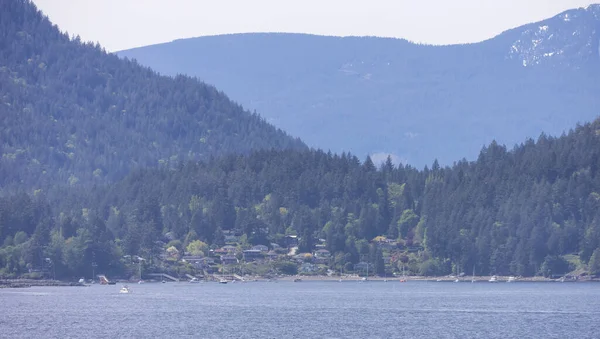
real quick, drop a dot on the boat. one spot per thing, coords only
(222, 280)
(297, 280)
(511, 279)
(141, 281)
(403, 279)
(493, 279)
(365, 279)
(125, 289)
(457, 274)
(104, 280)
(194, 280)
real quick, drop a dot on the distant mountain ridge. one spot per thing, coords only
(380, 95)
(73, 114)
(574, 30)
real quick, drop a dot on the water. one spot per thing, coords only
(305, 310)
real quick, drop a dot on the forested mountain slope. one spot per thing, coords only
(527, 211)
(73, 114)
(369, 95)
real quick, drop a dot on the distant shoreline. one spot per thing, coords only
(24, 283)
(434, 279)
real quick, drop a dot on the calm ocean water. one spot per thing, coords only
(305, 310)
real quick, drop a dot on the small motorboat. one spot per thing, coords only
(194, 280)
(222, 281)
(125, 289)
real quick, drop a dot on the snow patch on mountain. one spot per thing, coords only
(560, 40)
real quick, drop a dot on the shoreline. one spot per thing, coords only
(499, 279)
(25, 283)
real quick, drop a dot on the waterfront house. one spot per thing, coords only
(229, 248)
(261, 248)
(252, 255)
(291, 240)
(228, 260)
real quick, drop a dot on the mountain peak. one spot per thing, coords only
(566, 39)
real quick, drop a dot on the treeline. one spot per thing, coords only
(73, 114)
(529, 211)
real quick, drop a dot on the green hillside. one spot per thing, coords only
(73, 114)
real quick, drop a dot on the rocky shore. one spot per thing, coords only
(23, 283)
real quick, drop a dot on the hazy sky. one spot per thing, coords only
(122, 24)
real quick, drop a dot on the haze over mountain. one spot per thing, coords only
(72, 113)
(377, 95)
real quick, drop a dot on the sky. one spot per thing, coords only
(123, 24)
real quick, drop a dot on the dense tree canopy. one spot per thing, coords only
(72, 113)
(521, 212)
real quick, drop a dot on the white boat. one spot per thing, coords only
(194, 280)
(511, 279)
(222, 281)
(457, 274)
(493, 279)
(141, 281)
(125, 289)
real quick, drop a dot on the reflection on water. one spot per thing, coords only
(305, 310)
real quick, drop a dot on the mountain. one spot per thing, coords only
(533, 210)
(372, 95)
(72, 113)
